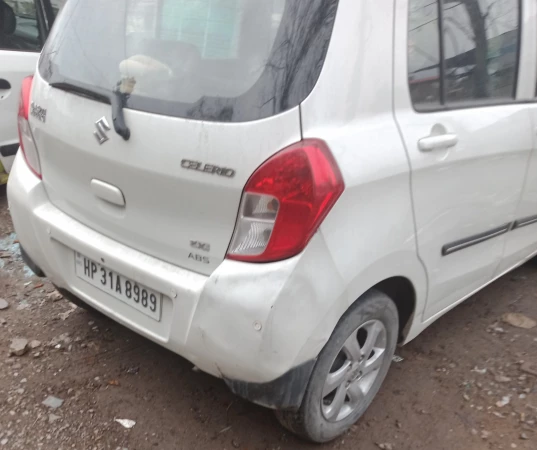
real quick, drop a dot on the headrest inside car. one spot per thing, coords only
(8, 20)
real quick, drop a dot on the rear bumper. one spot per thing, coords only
(30, 263)
(260, 327)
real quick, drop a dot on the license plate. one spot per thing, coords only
(128, 291)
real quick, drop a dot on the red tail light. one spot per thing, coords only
(27, 143)
(285, 201)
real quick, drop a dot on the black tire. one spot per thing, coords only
(309, 422)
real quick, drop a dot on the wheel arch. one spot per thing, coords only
(402, 292)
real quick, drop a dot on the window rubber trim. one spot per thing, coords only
(441, 54)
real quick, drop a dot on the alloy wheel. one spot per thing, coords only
(354, 371)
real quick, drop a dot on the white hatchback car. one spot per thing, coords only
(281, 191)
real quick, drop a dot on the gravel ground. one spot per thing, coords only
(468, 382)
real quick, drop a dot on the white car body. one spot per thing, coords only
(428, 228)
(18, 63)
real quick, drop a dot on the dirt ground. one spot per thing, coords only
(462, 384)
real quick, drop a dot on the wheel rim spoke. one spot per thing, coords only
(332, 411)
(356, 395)
(373, 332)
(335, 379)
(374, 362)
(352, 347)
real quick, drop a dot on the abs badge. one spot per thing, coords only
(199, 258)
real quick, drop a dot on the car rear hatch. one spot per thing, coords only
(207, 91)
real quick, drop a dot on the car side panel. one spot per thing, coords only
(522, 241)
(463, 192)
(370, 232)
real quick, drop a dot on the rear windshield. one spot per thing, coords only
(217, 60)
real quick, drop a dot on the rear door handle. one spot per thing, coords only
(441, 141)
(4, 84)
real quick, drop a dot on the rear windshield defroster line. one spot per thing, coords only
(214, 60)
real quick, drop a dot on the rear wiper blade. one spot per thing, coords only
(118, 101)
(75, 89)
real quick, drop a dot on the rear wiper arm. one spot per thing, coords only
(118, 101)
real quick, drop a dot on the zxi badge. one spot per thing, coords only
(102, 127)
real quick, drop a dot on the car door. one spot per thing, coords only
(467, 137)
(24, 25)
(521, 242)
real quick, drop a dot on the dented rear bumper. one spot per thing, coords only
(259, 327)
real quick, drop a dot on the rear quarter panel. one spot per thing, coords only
(370, 232)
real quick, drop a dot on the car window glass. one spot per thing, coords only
(215, 60)
(57, 5)
(481, 40)
(18, 26)
(214, 30)
(424, 54)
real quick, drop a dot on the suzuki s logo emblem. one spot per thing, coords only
(102, 128)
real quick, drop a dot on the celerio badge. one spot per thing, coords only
(207, 168)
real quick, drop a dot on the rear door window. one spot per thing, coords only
(220, 60)
(463, 53)
(481, 41)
